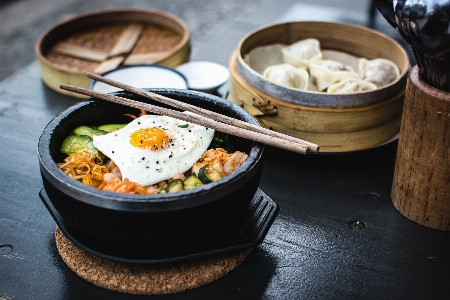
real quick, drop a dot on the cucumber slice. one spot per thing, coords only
(111, 127)
(192, 182)
(89, 131)
(76, 143)
(175, 185)
(208, 174)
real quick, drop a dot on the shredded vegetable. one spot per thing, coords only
(84, 166)
(125, 186)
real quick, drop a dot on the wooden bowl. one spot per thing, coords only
(101, 41)
(337, 123)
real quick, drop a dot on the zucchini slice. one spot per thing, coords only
(111, 127)
(76, 143)
(175, 185)
(208, 174)
(89, 131)
(192, 182)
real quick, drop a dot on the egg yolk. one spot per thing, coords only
(150, 138)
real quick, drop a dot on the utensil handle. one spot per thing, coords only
(436, 71)
(386, 8)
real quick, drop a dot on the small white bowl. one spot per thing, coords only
(142, 76)
(204, 76)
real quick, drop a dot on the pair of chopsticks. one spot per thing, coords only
(197, 115)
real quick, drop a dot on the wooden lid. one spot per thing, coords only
(100, 41)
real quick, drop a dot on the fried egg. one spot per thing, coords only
(152, 148)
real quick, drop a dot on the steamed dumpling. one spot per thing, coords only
(301, 53)
(288, 76)
(379, 71)
(327, 72)
(351, 85)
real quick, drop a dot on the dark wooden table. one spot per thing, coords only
(337, 234)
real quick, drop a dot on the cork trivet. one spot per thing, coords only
(152, 279)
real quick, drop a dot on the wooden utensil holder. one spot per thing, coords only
(421, 184)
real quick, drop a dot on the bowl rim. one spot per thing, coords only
(312, 98)
(139, 203)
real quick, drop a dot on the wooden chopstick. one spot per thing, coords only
(194, 118)
(203, 112)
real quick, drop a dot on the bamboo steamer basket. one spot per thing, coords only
(336, 122)
(100, 41)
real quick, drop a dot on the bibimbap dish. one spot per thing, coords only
(122, 183)
(152, 154)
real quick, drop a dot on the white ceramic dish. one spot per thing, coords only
(204, 76)
(142, 76)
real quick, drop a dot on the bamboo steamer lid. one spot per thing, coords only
(101, 41)
(337, 123)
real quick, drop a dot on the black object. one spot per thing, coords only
(424, 25)
(260, 215)
(154, 225)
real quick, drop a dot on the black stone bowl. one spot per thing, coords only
(147, 227)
